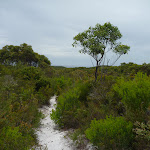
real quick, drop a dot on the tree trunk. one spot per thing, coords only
(96, 71)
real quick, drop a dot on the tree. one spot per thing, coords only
(24, 54)
(135, 95)
(98, 41)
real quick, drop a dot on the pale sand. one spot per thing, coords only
(49, 137)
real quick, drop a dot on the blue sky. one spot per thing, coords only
(49, 26)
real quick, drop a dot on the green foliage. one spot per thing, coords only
(95, 39)
(43, 95)
(43, 61)
(84, 101)
(59, 84)
(24, 54)
(121, 49)
(84, 91)
(130, 69)
(12, 138)
(30, 73)
(135, 95)
(69, 106)
(42, 82)
(27, 82)
(23, 88)
(98, 41)
(67, 103)
(110, 133)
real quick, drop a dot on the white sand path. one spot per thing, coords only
(49, 137)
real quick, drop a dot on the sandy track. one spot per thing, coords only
(49, 137)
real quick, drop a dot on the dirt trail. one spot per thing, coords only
(49, 137)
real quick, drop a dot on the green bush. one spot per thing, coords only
(110, 133)
(135, 95)
(12, 139)
(19, 110)
(30, 73)
(43, 95)
(69, 106)
(84, 91)
(67, 103)
(59, 84)
(43, 82)
(24, 86)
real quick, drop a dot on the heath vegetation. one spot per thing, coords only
(107, 105)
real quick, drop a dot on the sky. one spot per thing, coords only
(50, 25)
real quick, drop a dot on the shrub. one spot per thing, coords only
(84, 91)
(59, 84)
(43, 82)
(135, 95)
(69, 106)
(11, 138)
(30, 73)
(43, 95)
(67, 103)
(110, 133)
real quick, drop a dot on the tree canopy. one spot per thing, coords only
(24, 54)
(99, 40)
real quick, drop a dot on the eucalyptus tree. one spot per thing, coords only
(98, 41)
(24, 54)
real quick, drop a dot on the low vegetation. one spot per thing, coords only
(111, 113)
(24, 87)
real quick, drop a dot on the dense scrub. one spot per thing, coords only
(135, 95)
(24, 87)
(69, 109)
(113, 112)
(110, 133)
